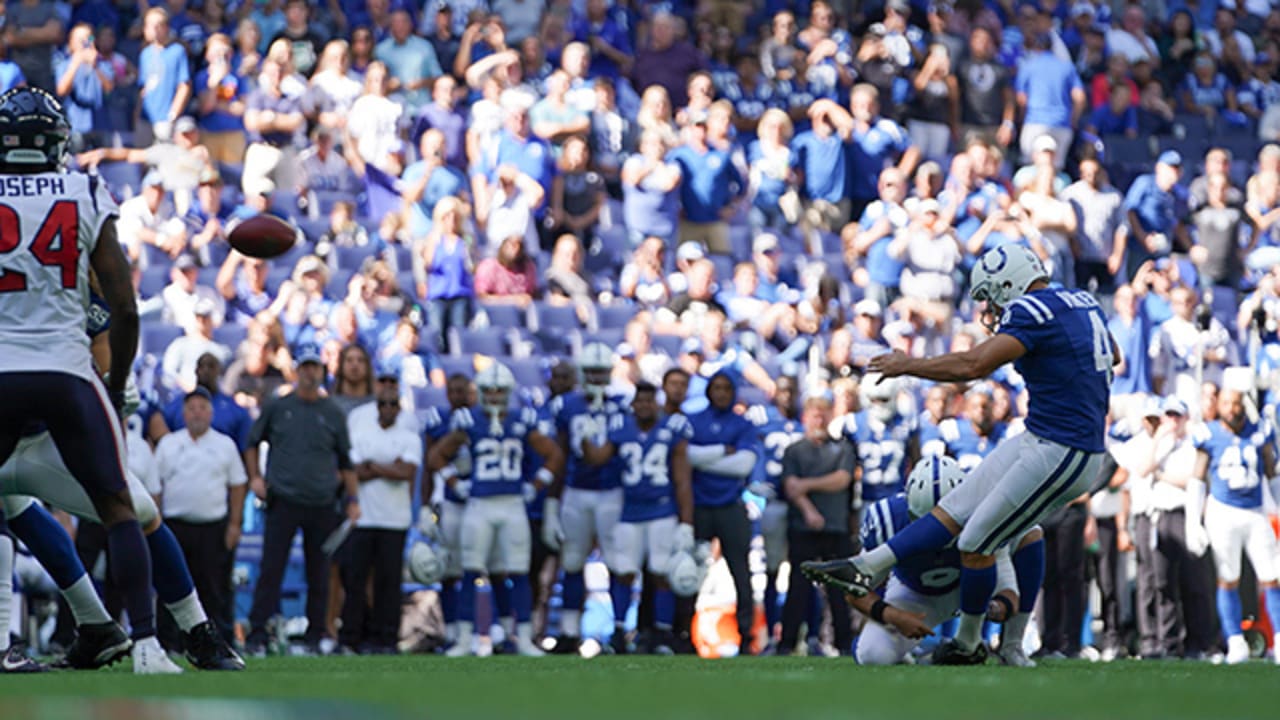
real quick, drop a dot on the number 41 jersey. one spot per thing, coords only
(647, 492)
(931, 573)
(49, 225)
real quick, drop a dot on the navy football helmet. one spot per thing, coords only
(33, 131)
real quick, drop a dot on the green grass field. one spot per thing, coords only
(653, 688)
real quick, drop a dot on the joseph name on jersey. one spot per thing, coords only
(574, 417)
(882, 452)
(49, 227)
(647, 491)
(959, 439)
(1067, 367)
(777, 433)
(497, 454)
(1235, 461)
(933, 573)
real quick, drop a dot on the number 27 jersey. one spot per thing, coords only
(49, 226)
(645, 458)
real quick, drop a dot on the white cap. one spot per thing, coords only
(868, 307)
(1043, 143)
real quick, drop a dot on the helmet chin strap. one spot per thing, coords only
(595, 393)
(495, 419)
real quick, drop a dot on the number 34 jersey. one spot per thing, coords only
(1235, 461)
(645, 457)
(497, 453)
(931, 573)
(49, 226)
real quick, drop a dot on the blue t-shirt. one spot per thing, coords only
(533, 157)
(160, 72)
(882, 452)
(716, 427)
(444, 181)
(932, 573)
(1106, 122)
(1067, 367)
(958, 439)
(611, 34)
(770, 189)
(86, 92)
(822, 160)
(228, 418)
(872, 151)
(1235, 461)
(1048, 83)
(777, 433)
(1134, 341)
(884, 269)
(497, 453)
(573, 416)
(232, 87)
(710, 182)
(647, 490)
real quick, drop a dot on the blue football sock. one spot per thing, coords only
(1028, 567)
(1229, 612)
(501, 599)
(814, 621)
(977, 585)
(772, 610)
(49, 543)
(171, 578)
(467, 597)
(131, 571)
(620, 594)
(664, 608)
(521, 597)
(924, 535)
(449, 600)
(573, 591)
(948, 628)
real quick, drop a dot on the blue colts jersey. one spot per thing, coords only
(715, 427)
(1067, 366)
(777, 433)
(647, 492)
(931, 573)
(573, 416)
(958, 439)
(497, 458)
(435, 426)
(1235, 461)
(882, 452)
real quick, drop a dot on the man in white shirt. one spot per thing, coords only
(386, 457)
(183, 293)
(202, 492)
(150, 219)
(183, 354)
(1183, 345)
(1131, 39)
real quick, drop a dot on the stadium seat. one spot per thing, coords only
(669, 344)
(351, 258)
(231, 335)
(1121, 149)
(276, 277)
(527, 371)
(554, 318)
(154, 279)
(231, 173)
(291, 258)
(751, 395)
(122, 178)
(325, 200)
(338, 281)
(313, 229)
(724, 268)
(486, 341)
(1242, 147)
(831, 243)
(284, 202)
(611, 338)
(453, 365)
(428, 397)
(616, 315)
(155, 337)
(504, 316)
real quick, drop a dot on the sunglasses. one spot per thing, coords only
(388, 404)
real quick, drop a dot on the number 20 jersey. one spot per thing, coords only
(497, 458)
(49, 226)
(647, 492)
(930, 573)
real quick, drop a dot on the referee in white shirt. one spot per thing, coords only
(202, 491)
(386, 457)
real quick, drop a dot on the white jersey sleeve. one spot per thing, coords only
(49, 227)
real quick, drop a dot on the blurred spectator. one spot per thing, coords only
(829, 48)
(1131, 328)
(1099, 228)
(184, 353)
(362, 53)
(874, 143)
(666, 60)
(930, 254)
(332, 90)
(220, 93)
(820, 163)
(867, 339)
(780, 58)
(1117, 74)
(565, 282)
(775, 278)
(935, 112)
(182, 295)
(428, 181)
(509, 277)
(227, 417)
(306, 42)
(656, 114)
(710, 186)
(1224, 26)
(650, 198)
(262, 366)
(1155, 112)
(442, 269)
(411, 61)
(374, 120)
(1151, 213)
(771, 180)
(611, 55)
(1118, 117)
(322, 169)
(1188, 348)
(1206, 91)
(206, 219)
(1130, 39)
(179, 161)
(83, 80)
(866, 244)
(300, 304)
(687, 309)
(32, 29)
(519, 148)
(700, 92)
(1051, 98)
(353, 382)
(404, 356)
(1180, 45)
(510, 209)
(643, 280)
(274, 123)
(577, 193)
(611, 136)
(248, 55)
(1221, 230)
(555, 120)
(443, 115)
(149, 219)
(438, 28)
(163, 73)
(242, 283)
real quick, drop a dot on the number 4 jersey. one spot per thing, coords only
(49, 226)
(497, 454)
(646, 464)
(931, 573)
(1235, 461)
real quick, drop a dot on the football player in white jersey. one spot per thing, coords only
(54, 226)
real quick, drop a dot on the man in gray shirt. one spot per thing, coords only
(817, 478)
(309, 460)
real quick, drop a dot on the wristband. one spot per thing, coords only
(446, 474)
(351, 500)
(544, 476)
(1008, 606)
(877, 610)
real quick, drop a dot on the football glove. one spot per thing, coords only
(552, 533)
(1197, 537)
(763, 489)
(463, 489)
(684, 542)
(530, 492)
(427, 527)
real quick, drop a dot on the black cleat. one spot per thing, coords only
(96, 645)
(15, 661)
(566, 645)
(618, 643)
(841, 574)
(950, 653)
(207, 650)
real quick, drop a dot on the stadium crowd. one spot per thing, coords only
(777, 190)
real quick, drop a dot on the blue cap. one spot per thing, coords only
(307, 353)
(1170, 157)
(199, 391)
(385, 372)
(1173, 406)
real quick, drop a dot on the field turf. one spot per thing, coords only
(611, 688)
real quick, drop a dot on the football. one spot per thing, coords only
(263, 236)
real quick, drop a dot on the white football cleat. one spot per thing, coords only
(151, 659)
(525, 645)
(461, 646)
(1237, 650)
(1013, 655)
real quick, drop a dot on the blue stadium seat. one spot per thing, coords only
(207, 276)
(313, 229)
(276, 277)
(326, 199)
(452, 365)
(752, 395)
(1121, 149)
(232, 173)
(155, 337)
(527, 371)
(669, 344)
(548, 317)
(611, 338)
(284, 202)
(338, 280)
(153, 281)
(831, 243)
(231, 335)
(504, 316)
(724, 268)
(616, 315)
(428, 397)
(122, 178)
(351, 258)
(291, 257)
(487, 341)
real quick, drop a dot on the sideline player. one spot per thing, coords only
(1234, 456)
(657, 503)
(1059, 343)
(54, 226)
(495, 535)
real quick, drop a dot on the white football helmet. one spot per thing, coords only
(685, 574)
(426, 566)
(595, 366)
(879, 396)
(496, 378)
(1003, 274)
(930, 480)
